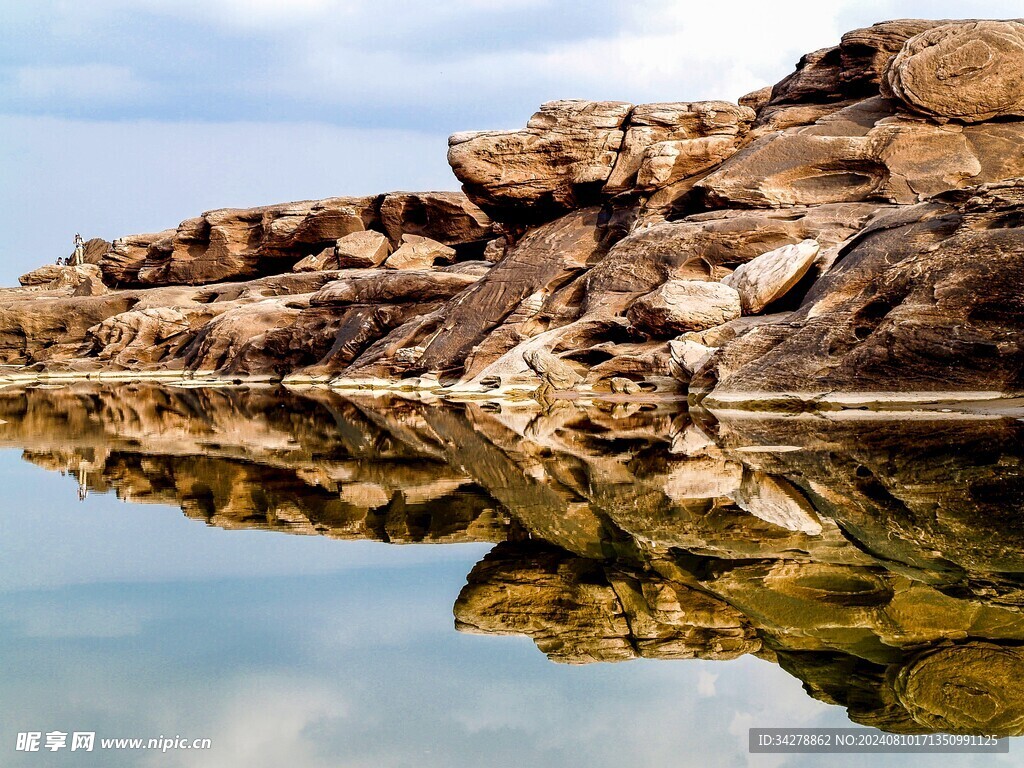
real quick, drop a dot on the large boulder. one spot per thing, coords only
(767, 278)
(559, 162)
(447, 217)
(418, 252)
(679, 306)
(971, 72)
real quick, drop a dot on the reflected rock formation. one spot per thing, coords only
(878, 560)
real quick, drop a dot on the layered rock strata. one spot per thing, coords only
(866, 209)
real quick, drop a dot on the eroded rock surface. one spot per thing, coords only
(603, 240)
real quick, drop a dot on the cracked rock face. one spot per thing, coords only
(906, 302)
(558, 162)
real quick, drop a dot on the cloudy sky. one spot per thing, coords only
(124, 116)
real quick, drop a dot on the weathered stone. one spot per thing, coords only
(326, 259)
(907, 305)
(361, 249)
(379, 286)
(968, 71)
(688, 357)
(768, 277)
(666, 142)
(447, 217)
(547, 257)
(684, 305)
(557, 163)
(236, 243)
(864, 152)
(709, 246)
(967, 689)
(417, 252)
(776, 501)
(555, 373)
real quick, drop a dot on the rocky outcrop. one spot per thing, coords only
(907, 302)
(559, 162)
(606, 241)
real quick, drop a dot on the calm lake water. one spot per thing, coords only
(312, 581)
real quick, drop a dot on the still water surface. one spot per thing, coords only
(311, 581)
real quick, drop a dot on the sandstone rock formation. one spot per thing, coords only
(865, 209)
(967, 72)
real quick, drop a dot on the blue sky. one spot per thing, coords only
(125, 116)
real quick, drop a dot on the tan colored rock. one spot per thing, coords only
(709, 246)
(380, 286)
(667, 142)
(447, 217)
(968, 71)
(142, 335)
(555, 373)
(703, 477)
(567, 149)
(58, 276)
(356, 250)
(909, 304)
(768, 277)
(866, 151)
(688, 357)
(679, 306)
(236, 243)
(318, 262)
(417, 252)
(361, 250)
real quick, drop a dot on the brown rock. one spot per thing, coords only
(546, 258)
(391, 287)
(769, 276)
(557, 163)
(417, 252)
(447, 217)
(709, 246)
(667, 142)
(236, 243)
(965, 71)
(863, 152)
(909, 305)
(684, 305)
(361, 249)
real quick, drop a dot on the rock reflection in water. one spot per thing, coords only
(879, 561)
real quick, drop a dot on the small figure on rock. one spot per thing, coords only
(78, 258)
